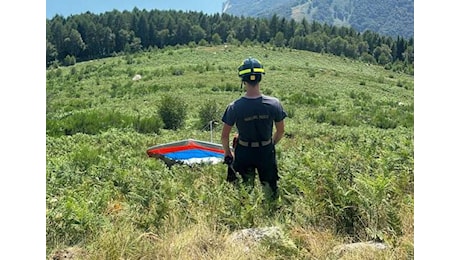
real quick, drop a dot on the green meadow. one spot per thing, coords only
(346, 162)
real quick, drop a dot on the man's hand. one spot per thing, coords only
(228, 159)
(231, 174)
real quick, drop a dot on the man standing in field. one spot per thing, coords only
(254, 115)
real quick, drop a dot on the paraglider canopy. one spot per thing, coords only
(188, 151)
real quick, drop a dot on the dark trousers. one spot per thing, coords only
(248, 160)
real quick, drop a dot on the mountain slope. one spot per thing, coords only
(389, 17)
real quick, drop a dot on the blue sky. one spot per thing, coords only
(68, 7)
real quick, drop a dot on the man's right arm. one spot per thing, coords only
(225, 139)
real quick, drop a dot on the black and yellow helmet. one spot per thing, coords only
(251, 70)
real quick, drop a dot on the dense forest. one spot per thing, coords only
(90, 36)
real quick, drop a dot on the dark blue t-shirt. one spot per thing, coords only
(254, 117)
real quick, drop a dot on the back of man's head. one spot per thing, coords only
(251, 71)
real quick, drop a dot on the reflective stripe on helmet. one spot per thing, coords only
(246, 71)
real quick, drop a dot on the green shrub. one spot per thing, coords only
(203, 42)
(69, 60)
(95, 122)
(381, 120)
(173, 112)
(209, 111)
(177, 72)
(230, 87)
(307, 98)
(151, 124)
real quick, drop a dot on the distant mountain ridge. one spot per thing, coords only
(386, 17)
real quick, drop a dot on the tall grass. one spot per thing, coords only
(346, 162)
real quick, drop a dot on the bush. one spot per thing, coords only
(177, 71)
(209, 111)
(151, 124)
(203, 42)
(173, 111)
(381, 120)
(69, 60)
(97, 121)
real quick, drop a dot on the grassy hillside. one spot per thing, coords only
(346, 163)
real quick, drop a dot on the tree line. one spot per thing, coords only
(91, 36)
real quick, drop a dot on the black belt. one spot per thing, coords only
(254, 144)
